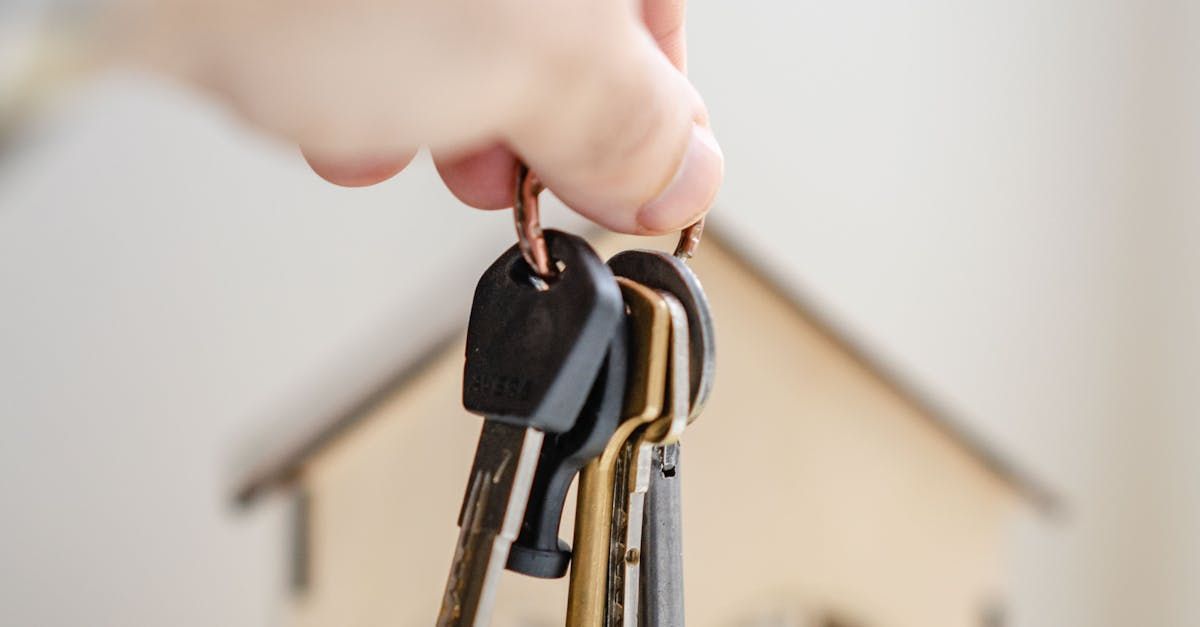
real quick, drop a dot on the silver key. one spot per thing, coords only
(662, 530)
(662, 543)
(501, 476)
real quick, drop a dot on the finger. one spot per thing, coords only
(665, 20)
(358, 172)
(622, 138)
(481, 179)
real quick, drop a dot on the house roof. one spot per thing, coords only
(952, 425)
(280, 464)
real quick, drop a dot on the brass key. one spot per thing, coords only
(660, 560)
(650, 324)
(635, 468)
(669, 427)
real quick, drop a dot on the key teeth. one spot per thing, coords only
(505, 460)
(452, 599)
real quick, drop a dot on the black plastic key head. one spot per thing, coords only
(533, 354)
(538, 551)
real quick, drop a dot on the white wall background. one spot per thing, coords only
(1000, 197)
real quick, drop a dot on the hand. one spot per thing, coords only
(590, 93)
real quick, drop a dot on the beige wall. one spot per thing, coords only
(810, 487)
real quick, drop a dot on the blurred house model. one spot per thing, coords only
(819, 489)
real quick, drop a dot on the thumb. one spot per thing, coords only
(621, 136)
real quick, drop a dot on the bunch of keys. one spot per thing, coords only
(580, 367)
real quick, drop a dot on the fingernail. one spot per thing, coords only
(691, 191)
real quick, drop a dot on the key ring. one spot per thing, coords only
(689, 240)
(533, 242)
(530, 238)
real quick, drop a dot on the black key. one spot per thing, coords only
(532, 356)
(538, 551)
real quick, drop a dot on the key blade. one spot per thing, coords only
(498, 492)
(631, 484)
(631, 564)
(662, 543)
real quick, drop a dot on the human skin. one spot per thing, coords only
(591, 94)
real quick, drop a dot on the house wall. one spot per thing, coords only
(811, 488)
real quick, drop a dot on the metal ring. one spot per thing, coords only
(533, 242)
(529, 226)
(689, 240)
